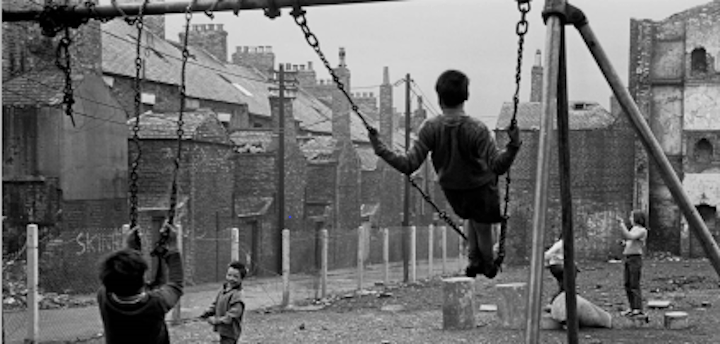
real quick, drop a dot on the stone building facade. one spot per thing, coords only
(675, 79)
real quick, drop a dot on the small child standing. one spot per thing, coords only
(634, 248)
(226, 311)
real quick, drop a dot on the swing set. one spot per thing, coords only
(556, 14)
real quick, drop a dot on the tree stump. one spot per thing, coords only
(459, 303)
(676, 320)
(512, 304)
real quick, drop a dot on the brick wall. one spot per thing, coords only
(601, 182)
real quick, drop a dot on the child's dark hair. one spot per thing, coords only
(639, 218)
(452, 88)
(237, 265)
(123, 272)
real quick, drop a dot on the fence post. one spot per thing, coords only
(32, 284)
(413, 254)
(386, 255)
(431, 246)
(323, 261)
(234, 244)
(360, 265)
(286, 267)
(177, 311)
(443, 233)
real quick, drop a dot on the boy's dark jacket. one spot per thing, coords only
(143, 322)
(464, 152)
(229, 308)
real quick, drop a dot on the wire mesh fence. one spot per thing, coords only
(356, 259)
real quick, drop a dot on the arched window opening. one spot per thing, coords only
(703, 151)
(698, 61)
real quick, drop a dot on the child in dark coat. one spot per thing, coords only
(467, 162)
(133, 312)
(226, 311)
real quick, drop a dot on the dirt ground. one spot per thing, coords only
(413, 313)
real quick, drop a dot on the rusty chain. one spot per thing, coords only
(520, 29)
(134, 177)
(300, 19)
(64, 62)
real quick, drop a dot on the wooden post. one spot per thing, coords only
(431, 246)
(323, 262)
(413, 254)
(286, 267)
(512, 304)
(33, 298)
(360, 255)
(443, 233)
(458, 303)
(177, 311)
(234, 244)
(386, 255)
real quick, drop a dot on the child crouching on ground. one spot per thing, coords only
(226, 311)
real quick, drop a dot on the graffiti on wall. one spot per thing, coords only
(100, 240)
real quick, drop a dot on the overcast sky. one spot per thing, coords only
(426, 37)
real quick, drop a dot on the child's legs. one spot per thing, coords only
(558, 272)
(634, 266)
(484, 235)
(472, 242)
(227, 340)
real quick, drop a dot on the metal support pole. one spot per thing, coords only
(563, 120)
(697, 225)
(158, 8)
(549, 102)
(281, 152)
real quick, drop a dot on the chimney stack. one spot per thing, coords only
(536, 79)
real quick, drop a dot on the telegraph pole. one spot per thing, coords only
(406, 205)
(281, 159)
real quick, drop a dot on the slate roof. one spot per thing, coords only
(591, 116)
(201, 125)
(252, 141)
(368, 159)
(36, 88)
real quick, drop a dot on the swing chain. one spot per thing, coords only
(300, 19)
(299, 15)
(441, 213)
(521, 29)
(134, 176)
(180, 132)
(64, 63)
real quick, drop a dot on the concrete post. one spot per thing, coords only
(443, 233)
(323, 262)
(512, 304)
(458, 303)
(413, 254)
(285, 268)
(33, 329)
(234, 244)
(386, 255)
(360, 255)
(431, 246)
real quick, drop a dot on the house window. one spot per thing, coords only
(698, 61)
(703, 151)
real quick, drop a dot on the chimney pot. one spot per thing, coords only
(220, 27)
(268, 49)
(288, 66)
(295, 67)
(309, 65)
(538, 58)
(302, 67)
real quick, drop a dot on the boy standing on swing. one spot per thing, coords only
(467, 162)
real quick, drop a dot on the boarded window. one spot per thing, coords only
(703, 151)
(698, 61)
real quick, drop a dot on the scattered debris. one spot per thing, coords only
(488, 308)
(659, 304)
